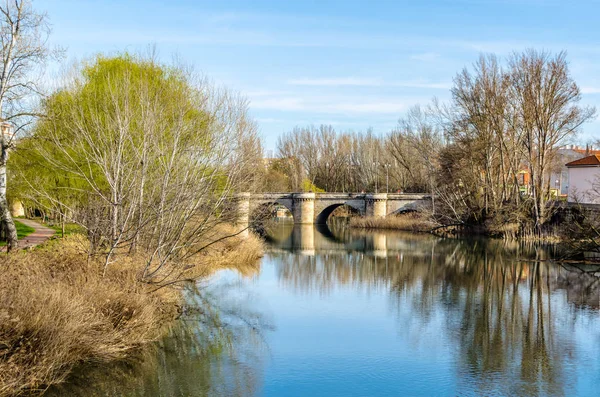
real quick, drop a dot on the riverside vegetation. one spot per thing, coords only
(150, 200)
(143, 159)
(60, 309)
(412, 222)
(505, 117)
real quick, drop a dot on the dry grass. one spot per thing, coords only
(412, 222)
(57, 311)
(240, 252)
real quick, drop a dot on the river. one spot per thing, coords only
(339, 312)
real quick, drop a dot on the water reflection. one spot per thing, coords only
(216, 349)
(368, 313)
(510, 316)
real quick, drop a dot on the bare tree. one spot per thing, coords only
(23, 35)
(481, 100)
(545, 104)
(415, 145)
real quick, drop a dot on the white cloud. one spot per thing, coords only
(263, 93)
(278, 103)
(422, 84)
(270, 120)
(385, 107)
(334, 105)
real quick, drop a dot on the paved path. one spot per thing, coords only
(41, 234)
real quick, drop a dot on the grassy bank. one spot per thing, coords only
(22, 231)
(58, 311)
(412, 222)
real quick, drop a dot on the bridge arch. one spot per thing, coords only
(262, 209)
(324, 213)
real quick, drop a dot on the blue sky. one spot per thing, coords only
(352, 64)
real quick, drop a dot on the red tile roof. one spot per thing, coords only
(593, 160)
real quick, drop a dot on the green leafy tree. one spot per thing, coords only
(144, 157)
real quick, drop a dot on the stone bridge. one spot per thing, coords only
(310, 208)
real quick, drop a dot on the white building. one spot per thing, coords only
(584, 180)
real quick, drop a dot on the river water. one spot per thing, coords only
(339, 312)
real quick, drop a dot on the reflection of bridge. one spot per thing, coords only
(311, 239)
(309, 208)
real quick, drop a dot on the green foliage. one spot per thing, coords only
(30, 172)
(308, 186)
(275, 178)
(22, 231)
(70, 228)
(138, 154)
(106, 88)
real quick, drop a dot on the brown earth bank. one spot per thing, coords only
(58, 310)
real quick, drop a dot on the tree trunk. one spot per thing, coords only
(6, 221)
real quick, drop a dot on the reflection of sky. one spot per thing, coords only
(344, 343)
(586, 337)
(357, 340)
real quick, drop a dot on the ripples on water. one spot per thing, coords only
(337, 312)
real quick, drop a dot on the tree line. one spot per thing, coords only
(504, 116)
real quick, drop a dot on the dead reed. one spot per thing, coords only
(412, 222)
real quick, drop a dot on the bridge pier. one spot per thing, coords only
(376, 205)
(304, 208)
(242, 202)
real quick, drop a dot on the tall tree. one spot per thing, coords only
(545, 100)
(156, 154)
(414, 145)
(23, 49)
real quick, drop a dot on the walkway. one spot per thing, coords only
(41, 234)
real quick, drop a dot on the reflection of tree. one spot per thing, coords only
(499, 315)
(210, 352)
(506, 326)
(499, 312)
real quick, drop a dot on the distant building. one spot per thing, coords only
(584, 180)
(558, 173)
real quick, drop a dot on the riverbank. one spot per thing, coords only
(411, 222)
(58, 311)
(419, 223)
